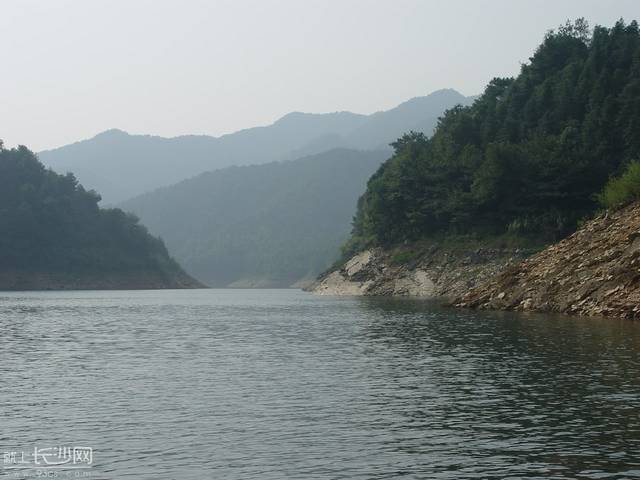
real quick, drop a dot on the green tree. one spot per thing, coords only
(527, 157)
(50, 223)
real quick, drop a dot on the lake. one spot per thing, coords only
(273, 384)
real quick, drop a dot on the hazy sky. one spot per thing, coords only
(70, 69)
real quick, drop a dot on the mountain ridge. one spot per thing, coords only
(267, 225)
(153, 161)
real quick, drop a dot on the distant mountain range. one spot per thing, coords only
(120, 166)
(262, 207)
(268, 225)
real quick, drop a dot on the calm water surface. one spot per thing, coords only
(237, 384)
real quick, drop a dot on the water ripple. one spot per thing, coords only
(281, 384)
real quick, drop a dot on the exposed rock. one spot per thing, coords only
(336, 283)
(595, 271)
(437, 271)
(358, 264)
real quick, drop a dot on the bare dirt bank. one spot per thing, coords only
(595, 271)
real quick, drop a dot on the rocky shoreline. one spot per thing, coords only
(437, 271)
(595, 271)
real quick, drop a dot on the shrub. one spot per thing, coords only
(403, 257)
(622, 190)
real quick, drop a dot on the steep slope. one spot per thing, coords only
(54, 236)
(595, 271)
(263, 225)
(121, 166)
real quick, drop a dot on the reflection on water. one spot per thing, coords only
(282, 384)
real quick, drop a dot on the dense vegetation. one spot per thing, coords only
(262, 225)
(527, 158)
(50, 223)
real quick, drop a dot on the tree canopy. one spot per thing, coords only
(50, 223)
(528, 157)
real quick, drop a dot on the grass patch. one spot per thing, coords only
(622, 190)
(404, 256)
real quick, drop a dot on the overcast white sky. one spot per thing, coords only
(70, 69)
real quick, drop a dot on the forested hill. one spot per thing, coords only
(54, 235)
(121, 166)
(527, 158)
(263, 225)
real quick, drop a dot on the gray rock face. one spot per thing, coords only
(436, 272)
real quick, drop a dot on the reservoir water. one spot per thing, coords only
(274, 384)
